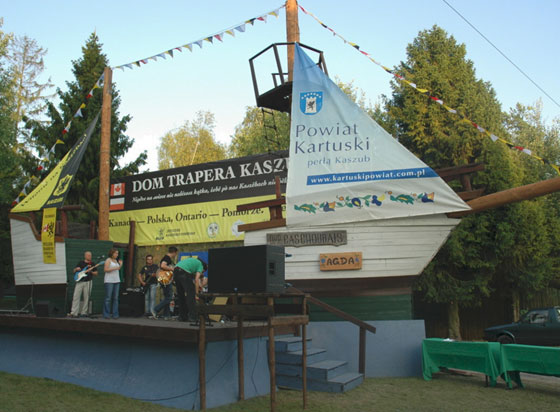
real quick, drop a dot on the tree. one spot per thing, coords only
(9, 162)
(26, 59)
(461, 272)
(260, 133)
(530, 260)
(192, 143)
(85, 187)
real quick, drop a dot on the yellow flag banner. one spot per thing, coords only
(47, 235)
(53, 189)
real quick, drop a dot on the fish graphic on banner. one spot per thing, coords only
(53, 189)
(344, 167)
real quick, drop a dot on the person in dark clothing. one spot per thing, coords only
(166, 264)
(187, 276)
(148, 280)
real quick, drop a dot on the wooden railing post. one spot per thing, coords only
(362, 349)
(304, 354)
(240, 358)
(271, 358)
(202, 361)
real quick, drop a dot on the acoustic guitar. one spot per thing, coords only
(165, 277)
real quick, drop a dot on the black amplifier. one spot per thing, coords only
(246, 269)
(131, 303)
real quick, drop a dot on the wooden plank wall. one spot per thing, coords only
(392, 247)
(27, 252)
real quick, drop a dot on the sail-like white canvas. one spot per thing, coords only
(344, 167)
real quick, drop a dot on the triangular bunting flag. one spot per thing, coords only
(251, 21)
(230, 32)
(342, 163)
(58, 141)
(209, 39)
(219, 36)
(129, 65)
(188, 46)
(79, 113)
(170, 52)
(240, 28)
(198, 43)
(162, 55)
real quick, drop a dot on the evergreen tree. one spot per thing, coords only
(85, 187)
(193, 143)
(461, 272)
(530, 260)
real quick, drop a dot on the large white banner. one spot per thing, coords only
(344, 167)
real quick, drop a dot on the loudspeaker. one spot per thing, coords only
(246, 269)
(45, 309)
(131, 304)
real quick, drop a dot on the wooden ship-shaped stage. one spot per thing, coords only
(178, 363)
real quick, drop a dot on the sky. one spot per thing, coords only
(162, 95)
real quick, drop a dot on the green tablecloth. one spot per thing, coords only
(541, 360)
(484, 357)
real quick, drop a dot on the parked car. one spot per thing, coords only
(536, 327)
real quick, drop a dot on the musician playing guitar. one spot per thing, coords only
(82, 289)
(166, 265)
(148, 280)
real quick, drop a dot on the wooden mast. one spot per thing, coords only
(104, 157)
(292, 33)
(505, 197)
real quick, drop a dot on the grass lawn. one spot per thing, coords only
(444, 393)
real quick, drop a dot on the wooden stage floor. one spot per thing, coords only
(140, 327)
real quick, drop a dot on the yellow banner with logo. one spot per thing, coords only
(191, 223)
(47, 235)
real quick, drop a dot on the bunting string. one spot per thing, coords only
(66, 129)
(437, 100)
(219, 36)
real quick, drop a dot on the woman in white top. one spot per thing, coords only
(112, 283)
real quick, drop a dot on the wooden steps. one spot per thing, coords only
(323, 375)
